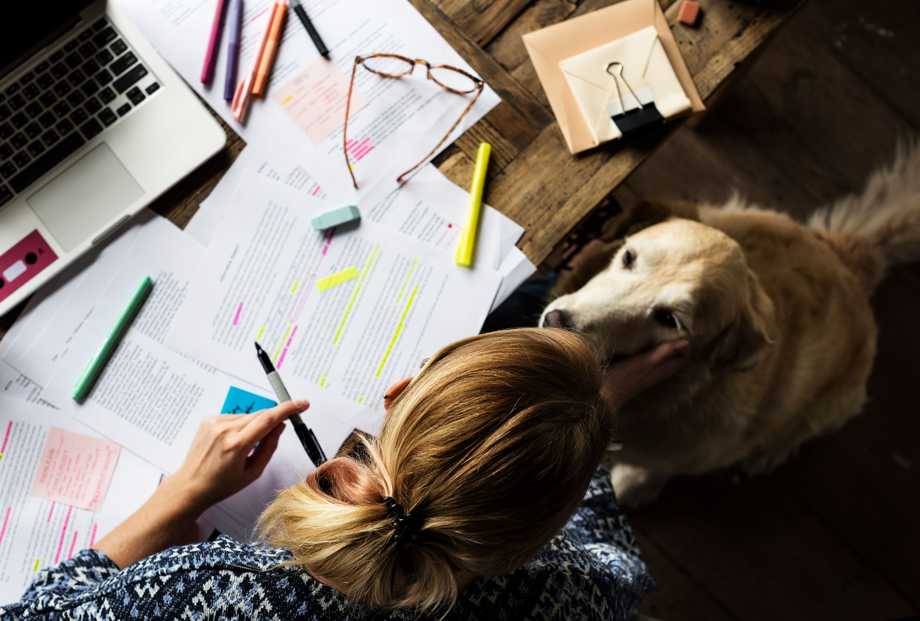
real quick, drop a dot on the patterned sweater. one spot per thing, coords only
(590, 570)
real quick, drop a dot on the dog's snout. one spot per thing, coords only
(557, 319)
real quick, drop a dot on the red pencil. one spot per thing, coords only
(210, 55)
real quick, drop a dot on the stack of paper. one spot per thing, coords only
(343, 314)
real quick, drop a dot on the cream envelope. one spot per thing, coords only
(645, 74)
(549, 46)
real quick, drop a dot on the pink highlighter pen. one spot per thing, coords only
(210, 55)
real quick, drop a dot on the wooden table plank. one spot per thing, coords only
(482, 19)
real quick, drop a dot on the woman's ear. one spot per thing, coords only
(344, 479)
(394, 391)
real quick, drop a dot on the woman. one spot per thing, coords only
(483, 456)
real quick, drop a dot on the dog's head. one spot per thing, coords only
(675, 279)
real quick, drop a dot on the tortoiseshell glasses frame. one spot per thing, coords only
(402, 66)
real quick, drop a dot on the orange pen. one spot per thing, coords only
(269, 49)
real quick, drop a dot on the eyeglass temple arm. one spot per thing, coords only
(351, 86)
(401, 179)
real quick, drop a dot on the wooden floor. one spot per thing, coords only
(835, 533)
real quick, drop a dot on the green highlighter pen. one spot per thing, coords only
(98, 362)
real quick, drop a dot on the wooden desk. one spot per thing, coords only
(533, 177)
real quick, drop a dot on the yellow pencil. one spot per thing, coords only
(466, 247)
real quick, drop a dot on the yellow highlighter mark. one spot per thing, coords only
(295, 287)
(322, 381)
(260, 333)
(334, 280)
(1, 456)
(36, 566)
(368, 266)
(362, 399)
(287, 101)
(405, 285)
(396, 332)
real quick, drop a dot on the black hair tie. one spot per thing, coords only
(407, 525)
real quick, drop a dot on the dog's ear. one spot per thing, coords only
(645, 214)
(591, 261)
(743, 343)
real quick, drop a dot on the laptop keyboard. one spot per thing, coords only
(84, 86)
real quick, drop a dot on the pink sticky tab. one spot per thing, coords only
(75, 469)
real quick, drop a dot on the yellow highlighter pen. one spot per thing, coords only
(466, 247)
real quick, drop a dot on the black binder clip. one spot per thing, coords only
(632, 120)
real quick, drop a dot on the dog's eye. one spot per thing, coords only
(665, 317)
(629, 258)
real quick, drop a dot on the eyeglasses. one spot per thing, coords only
(451, 79)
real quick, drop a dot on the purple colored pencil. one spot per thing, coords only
(235, 18)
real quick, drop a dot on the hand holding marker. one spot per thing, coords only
(306, 436)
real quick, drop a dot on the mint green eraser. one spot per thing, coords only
(336, 217)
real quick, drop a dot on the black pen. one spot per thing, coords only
(311, 29)
(304, 433)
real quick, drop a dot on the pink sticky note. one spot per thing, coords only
(75, 469)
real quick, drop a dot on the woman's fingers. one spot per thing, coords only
(630, 377)
(260, 457)
(261, 423)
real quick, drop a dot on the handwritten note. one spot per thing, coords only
(75, 469)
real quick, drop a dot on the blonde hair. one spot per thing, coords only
(492, 445)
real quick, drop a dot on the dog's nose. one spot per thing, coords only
(557, 319)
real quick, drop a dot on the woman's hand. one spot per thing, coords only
(228, 453)
(635, 374)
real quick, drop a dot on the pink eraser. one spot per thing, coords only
(689, 12)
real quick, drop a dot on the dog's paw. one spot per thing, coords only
(635, 486)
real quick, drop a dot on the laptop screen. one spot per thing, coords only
(32, 25)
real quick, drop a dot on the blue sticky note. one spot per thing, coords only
(241, 401)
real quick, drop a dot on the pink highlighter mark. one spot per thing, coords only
(328, 240)
(6, 436)
(92, 535)
(361, 149)
(57, 555)
(6, 522)
(50, 512)
(315, 190)
(236, 316)
(73, 544)
(286, 345)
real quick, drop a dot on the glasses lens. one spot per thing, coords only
(454, 80)
(388, 65)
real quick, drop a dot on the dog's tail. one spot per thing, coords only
(881, 226)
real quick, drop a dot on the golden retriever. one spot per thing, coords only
(777, 313)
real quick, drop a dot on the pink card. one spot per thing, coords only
(75, 469)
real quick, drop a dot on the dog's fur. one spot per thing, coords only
(782, 336)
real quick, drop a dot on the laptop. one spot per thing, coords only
(93, 126)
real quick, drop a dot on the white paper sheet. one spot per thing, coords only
(37, 532)
(16, 385)
(429, 209)
(394, 123)
(260, 282)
